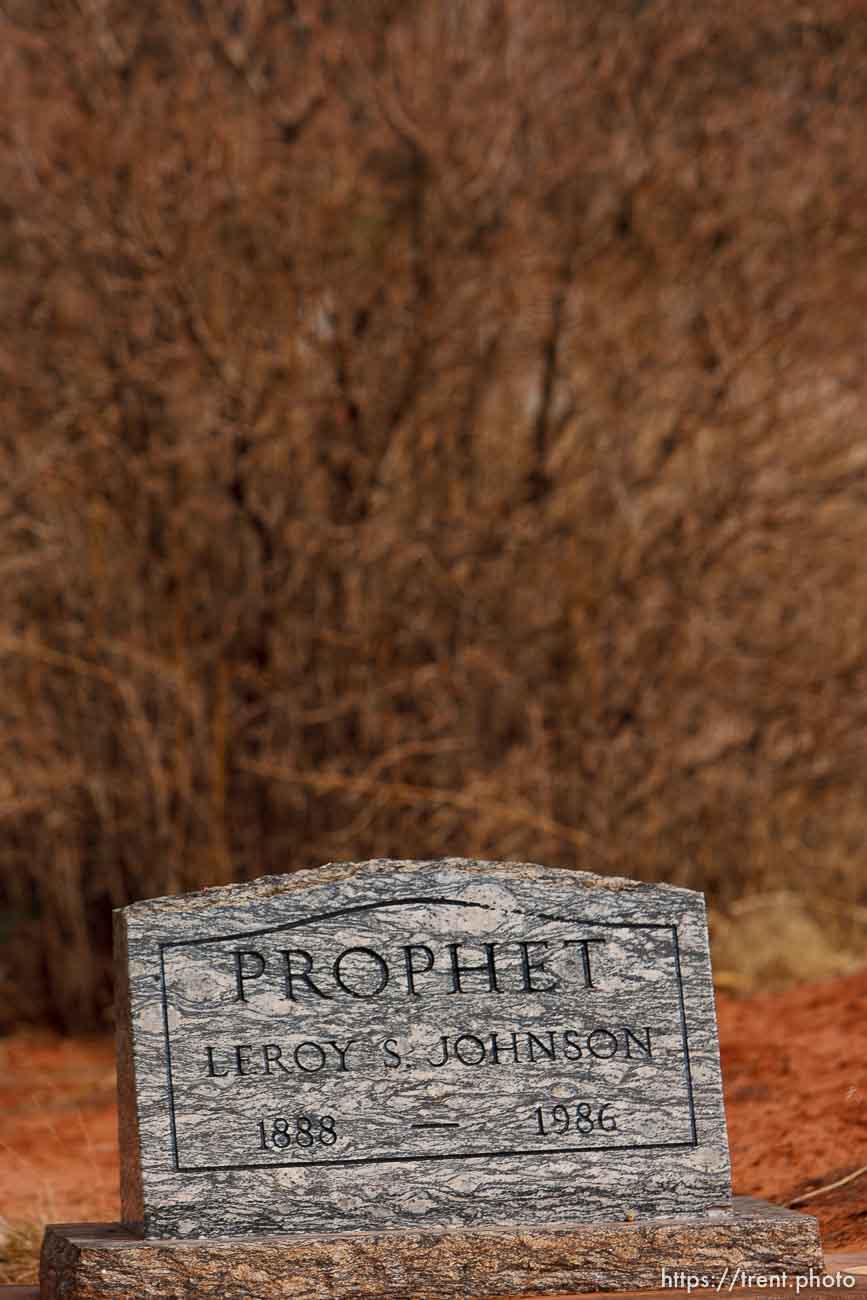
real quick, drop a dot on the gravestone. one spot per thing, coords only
(451, 1078)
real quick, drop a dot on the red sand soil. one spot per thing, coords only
(795, 1073)
(794, 1064)
(58, 1130)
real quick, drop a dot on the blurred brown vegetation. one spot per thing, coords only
(427, 428)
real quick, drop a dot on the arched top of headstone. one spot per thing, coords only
(472, 875)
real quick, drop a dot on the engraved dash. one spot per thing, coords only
(434, 1124)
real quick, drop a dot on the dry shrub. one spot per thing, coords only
(426, 428)
(768, 941)
(19, 1252)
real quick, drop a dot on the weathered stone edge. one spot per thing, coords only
(103, 1262)
(334, 872)
(129, 1138)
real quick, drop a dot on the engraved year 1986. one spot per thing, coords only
(582, 1118)
(302, 1131)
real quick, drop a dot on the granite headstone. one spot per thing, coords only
(435, 1044)
(424, 1051)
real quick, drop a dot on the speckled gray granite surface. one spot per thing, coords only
(417, 1044)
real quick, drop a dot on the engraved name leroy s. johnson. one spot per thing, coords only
(415, 970)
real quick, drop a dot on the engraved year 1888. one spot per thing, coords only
(302, 1131)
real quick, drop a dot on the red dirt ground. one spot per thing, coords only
(795, 1073)
(794, 1064)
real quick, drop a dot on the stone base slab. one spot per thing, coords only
(105, 1262)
